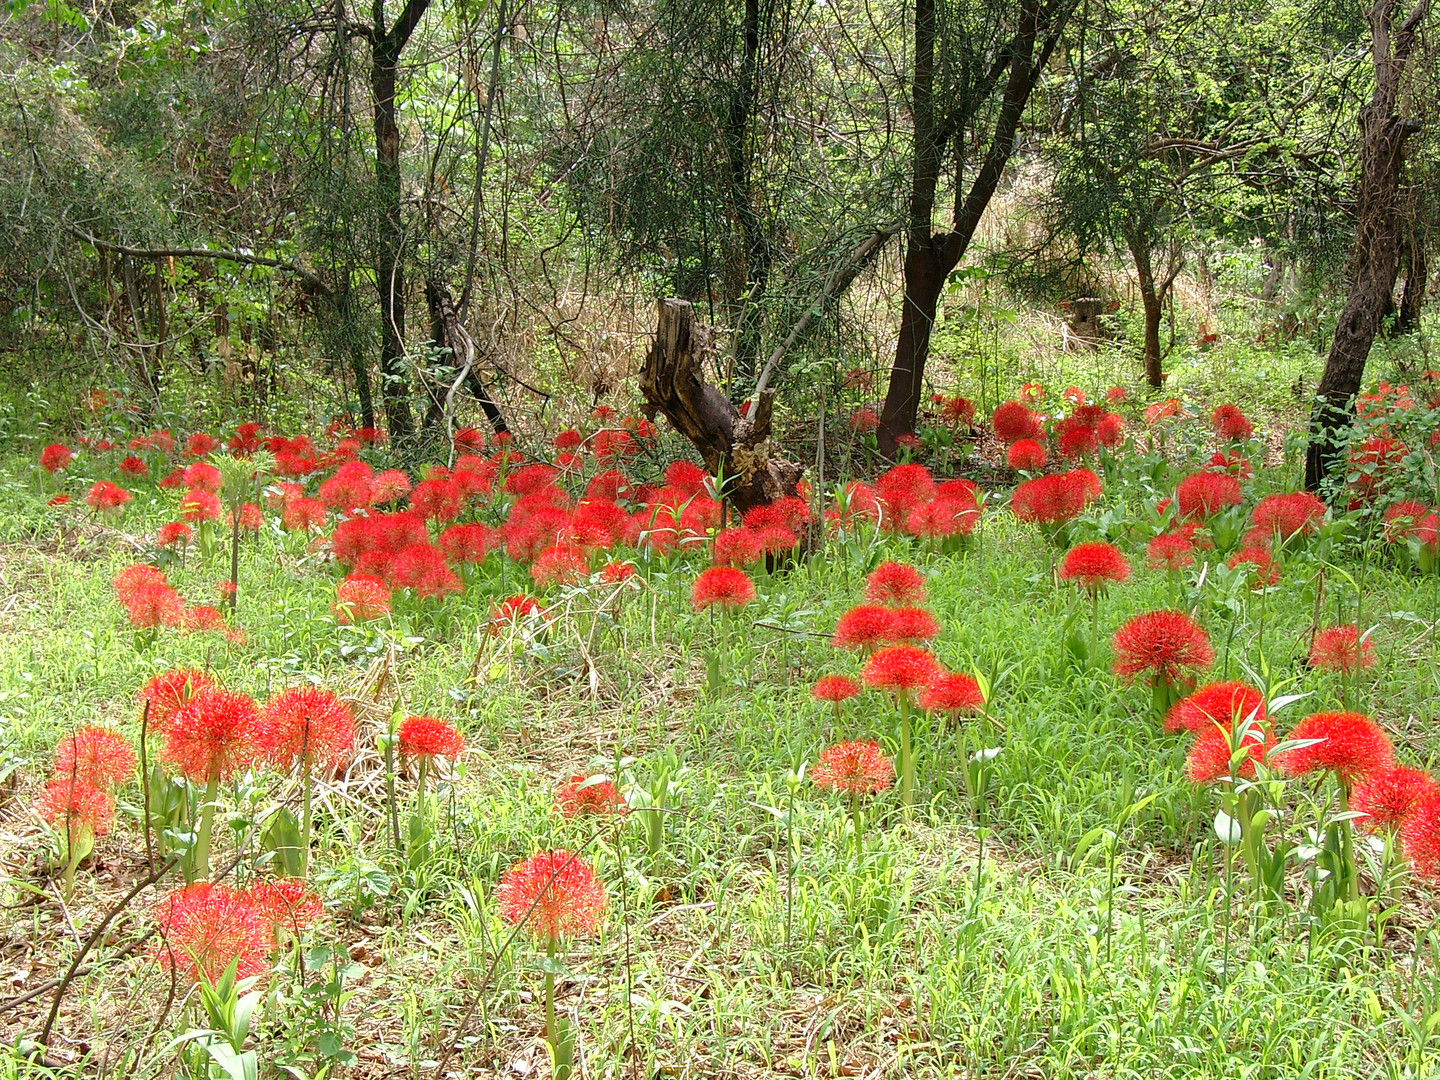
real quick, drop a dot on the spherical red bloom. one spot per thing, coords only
(250, 518)
(70, 804)
(1232, 463)
(1220, 703)
(287, 904)
(559, 564)
(864, 627)
(738, 547)
(422, 568)
(167, 692)
(1164, 646)
(58, 500)
(1169, 409)
(360, 598)
(903, 488)
(134, 466)
(282, 493)
(200, 444)
(469, 438)
(569, 439)
(1389, 796)
(465, 543)
(1053, 500)
(1209, 757)
(1204, 494)
(834, 688)
(1420, 837)
(208, 927)
(956, 411)
(202, 476)
(686, 476)
(308, 725)
(1410, 520)
(912, 624)
(1075, 439)
(1230, 423)
(105, 498)
(200, 505)
(531, 479)
(303, 514)
(436, 500)
(173, 534)
(937, 519)
(775, 539)
(154, 605)
(212, 736)
(1095, 565)
(1288, 514)
(727, 586)
(203, 617)
(1264, 571)
(583, 796)
(854, 768)
(1117, 395)
(134, 577)
(554, 894)
(864, 421)
(351, 488)
(96, 756)
(1026, 455)
(952, 692)
(1110, 431)
(427, 737)
(388, 486)
(901, 669)
(895, 583)
(1339, 648)
(612, 573)
(55, 457)
(1014, 422)
(1351, 745)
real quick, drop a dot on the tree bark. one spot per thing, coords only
(756, 250)
(1152, 304)
(448, 332)
(735, 448)
(1375, 260)
(1417, 279)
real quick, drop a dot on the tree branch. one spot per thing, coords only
(308, 276)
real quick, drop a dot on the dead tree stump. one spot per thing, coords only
(733, 446)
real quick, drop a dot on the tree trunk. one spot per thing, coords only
(1412, 297)
(389, 261)
(1153, 305)
(756, 253)
(735, 448)
(447, 331)
(1375, 260)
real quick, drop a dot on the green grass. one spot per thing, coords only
(1053, 930)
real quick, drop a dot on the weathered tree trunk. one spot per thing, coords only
(756, 253)
(448, 332)
(1153, 306)
(1417, 280)
(1375, 261)
(734, 447)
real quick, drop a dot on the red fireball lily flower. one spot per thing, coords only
(212, 737)
(68, 805)
(864, 627)
(360, 598)
(834, 689)
(1350, 745)
(426, 738)
(289, 905)
(554, 894)
(1217, 704)
(901, 669)
(1204, 494)
(308, 725)
(895, 583)
(1420, 837)
(96, 756)
(1094, 566)
(854, 768)
(589, 795)
(1209, 758)
(1230, 424)
(1339, 648)
(951, 693)
(1025, 455)
(105, 498)
(912, 624)
(207, 927)
(1297, 512)
(1388, 797)
(727, 586)
(1165, 646)
(1170, 551)
(55, 457)
(167, 692)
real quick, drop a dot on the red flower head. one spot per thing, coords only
(554, 895)
(559, 564)
(1204, 494)
(900, 669)
(1170, 551)
(207, 928)
(133, 578)
(727, 586)
(912, 624)
(854, 768)
(167, 692)
(153, 605)
(1026, 455)
(437, 500)
(105, 498)
(1110, 431)
(1014, 422)
(173, 534)
(895, 583)
(834, 688)
(351, 488)
(1264, 570)
(1163, 646)
(95, 756)
(287, 905)
(360, 598)
(1339, 648)
(864, 421)
(422, 568)
(202, 476)
(200, 444)
(903, 488)
(59, 500)
(469, 439)
(1388, 796)
(1230, 424)
(68, 805)
(1209, 757)
(55, 457)
(1350, 745)
(1117, 395)
(212, 736)
(134, 466)
(738, 547)
(686, 476)
(1296, 512)
(950, 693)
(1075, 439)
(1217, 704)
(582, 796)
(200, 505)
(308, 725)
(389, 486)
(957, 411)
(864, 627)
(305, 515)
(428, 738)
(531, 479)
(1420, 837)
(1094, 566)
(465, 544)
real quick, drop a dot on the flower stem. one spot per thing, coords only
(305, 821)
(207, 823)
(907, 760)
